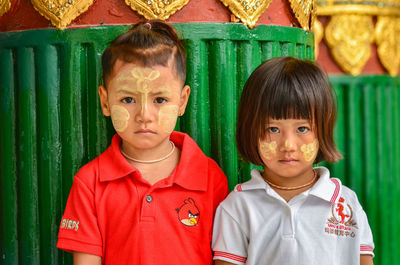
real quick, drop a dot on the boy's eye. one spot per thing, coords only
(160, 100)
(303, 129)
(273, 130)
(127, 100)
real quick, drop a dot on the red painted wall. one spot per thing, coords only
(22, 16)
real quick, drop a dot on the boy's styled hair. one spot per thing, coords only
(286, 88)
(147, 43)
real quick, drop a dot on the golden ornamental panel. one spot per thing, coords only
(156, 9)
(349, 38)
(360, 7)
(4, 6)
(248, 11)
(387, 35)
(61, 12)
(358, 37)
(304, 11)
(318, 30)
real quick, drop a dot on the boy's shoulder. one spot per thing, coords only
(106, 166)
(191, 154)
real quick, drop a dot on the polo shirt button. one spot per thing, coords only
(149, 198)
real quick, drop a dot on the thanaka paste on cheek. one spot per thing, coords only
(167, 117)
(119, 117)
(309, 150)
(268, 149)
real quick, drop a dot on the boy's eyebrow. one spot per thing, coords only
(162, 91)
(126, 91)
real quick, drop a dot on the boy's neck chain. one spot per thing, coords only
(292, 188)
(150, 161)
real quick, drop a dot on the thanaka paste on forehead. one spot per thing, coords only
(143, 77)
(167, 117)
(268, 149)
(119, 117)
(310, 150)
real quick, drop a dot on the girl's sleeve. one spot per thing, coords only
(229, 240)
(366, 239)
(79, 230)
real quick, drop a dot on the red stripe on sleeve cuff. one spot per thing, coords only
(230, 256)
(366, 249)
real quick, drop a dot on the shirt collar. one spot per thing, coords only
(326, 188)
(190, 173)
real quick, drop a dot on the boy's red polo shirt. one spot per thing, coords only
(112, 212)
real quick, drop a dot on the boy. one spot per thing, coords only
(150, 197)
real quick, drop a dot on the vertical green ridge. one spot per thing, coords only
(26, 143)
(50, 148)
(197, 115)
(8, 170)
(222, 60)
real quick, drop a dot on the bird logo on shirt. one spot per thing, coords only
(342, 214)
(188, 213)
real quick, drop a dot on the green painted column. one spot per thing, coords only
(51, 124)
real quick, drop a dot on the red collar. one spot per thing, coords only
(190, 173)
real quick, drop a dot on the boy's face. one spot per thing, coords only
(144, 103)
(289, 148)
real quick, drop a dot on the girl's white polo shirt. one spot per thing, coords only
(323, 225)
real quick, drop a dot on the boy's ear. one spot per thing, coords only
(104, 101)
(184, 99)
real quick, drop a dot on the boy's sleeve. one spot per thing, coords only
(366, 238)
(229, 242)
(79, 230)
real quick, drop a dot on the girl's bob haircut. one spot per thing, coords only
(286, 88)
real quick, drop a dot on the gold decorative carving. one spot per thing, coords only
(61, 12)
(349, 38)
(387, 35)
(370, 7)
(318, 30)
(304, 11)
(248, 11)
(358, 36)
(4, 6)
(156, 9)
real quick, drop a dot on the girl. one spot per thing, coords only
(290, 213)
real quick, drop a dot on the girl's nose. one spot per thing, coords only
(288, 145)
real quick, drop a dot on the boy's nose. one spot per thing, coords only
(144, 115)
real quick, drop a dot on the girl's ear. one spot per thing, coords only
(103, 94)
(184, 99)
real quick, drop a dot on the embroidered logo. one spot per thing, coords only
(341, 223)
(69, 224)
(188, 213)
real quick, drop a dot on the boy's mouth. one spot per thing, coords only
(145, 131)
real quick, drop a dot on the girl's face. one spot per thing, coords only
(288, 148)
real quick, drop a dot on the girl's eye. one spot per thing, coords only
(160, 100)
(127, 100)
(303, 129)
(273, 130)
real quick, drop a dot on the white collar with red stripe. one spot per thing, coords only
(326, 188)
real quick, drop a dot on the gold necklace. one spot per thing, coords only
(292, 188)
(150, 161)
